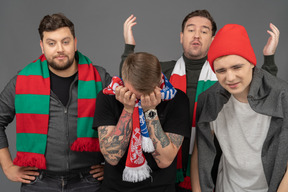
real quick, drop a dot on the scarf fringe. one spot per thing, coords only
(86, 144)
(136, 174)
(27, 159)
(147, 145)
(186, 184)
(179, 176)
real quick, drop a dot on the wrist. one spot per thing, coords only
(128, 110)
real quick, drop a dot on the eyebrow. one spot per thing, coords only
(48, 39)
(203, 26)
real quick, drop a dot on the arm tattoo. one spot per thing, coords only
(159, 133)
(114, 140)
(176, 139)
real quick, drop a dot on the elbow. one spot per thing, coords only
(164, 164)
(109, 158)
(111, 162)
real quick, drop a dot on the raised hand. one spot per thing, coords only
(127, 30)
(272, 43)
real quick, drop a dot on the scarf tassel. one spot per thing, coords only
(136, 174)
(27, 159)
(186, 184)
(147, 145)
(86, 144)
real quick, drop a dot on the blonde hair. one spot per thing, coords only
(143, 71)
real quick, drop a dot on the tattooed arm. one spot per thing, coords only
(166, 144)
(114, 140)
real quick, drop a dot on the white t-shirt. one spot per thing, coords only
(241, 133)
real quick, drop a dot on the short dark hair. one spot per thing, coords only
(143, 71)
(200, 13)
(54, 22)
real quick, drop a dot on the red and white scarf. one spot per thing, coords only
(136, 167)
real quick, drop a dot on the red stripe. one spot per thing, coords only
(32, 123)
(178, 82)
(26, 159)
(86, 107)
(87, 72)
(42, 58)
(194, 115)
(32, 84)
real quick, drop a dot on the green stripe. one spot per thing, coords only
(88, 89)
(83, 59)
(84, 127)
(31, 142)
(188, 166)
(37, 68)
(203, 86)
(29, 103)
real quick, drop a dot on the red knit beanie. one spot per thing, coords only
(232, 39)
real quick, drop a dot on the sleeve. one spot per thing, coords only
(269, 65)
(128, 50)
(105, 113)
(7, 110)
(105, 76)
(206, 148)
(177, 120)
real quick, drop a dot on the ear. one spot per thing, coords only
(181, 37)
(41, 45)
(213, 38)
(75, 44)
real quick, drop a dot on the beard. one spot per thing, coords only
(61, 67)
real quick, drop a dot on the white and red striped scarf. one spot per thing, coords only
(136, 167)
(178, 79)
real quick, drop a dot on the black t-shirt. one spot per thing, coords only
(61, 86)
(174, 118)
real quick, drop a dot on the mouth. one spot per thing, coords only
(233, 85)
(60, 57)
(195, 43)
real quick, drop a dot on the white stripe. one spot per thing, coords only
(179, 68)
(207, 73)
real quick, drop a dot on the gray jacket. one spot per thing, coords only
(62, 130)
(268, 95)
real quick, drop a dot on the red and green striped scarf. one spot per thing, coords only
(178, 79)
(32, 101)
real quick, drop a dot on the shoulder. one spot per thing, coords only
(264, 79)
(101, 70)
(167, 67)
(179, 101)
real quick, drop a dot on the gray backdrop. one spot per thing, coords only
(99, 29)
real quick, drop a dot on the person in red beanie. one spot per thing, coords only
(246, 112)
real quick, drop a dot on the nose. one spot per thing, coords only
(59, 47)
(230, 76)
(197, 34)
